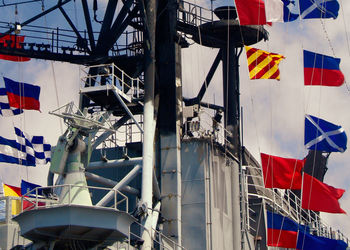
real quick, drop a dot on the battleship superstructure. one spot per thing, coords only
(180, 178)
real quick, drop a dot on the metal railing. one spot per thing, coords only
(111, 75)
(209, 128)
(63, 40)
(194, 14)
(38, 201)
(160, 241)
(36, 198)
(12, 205)
(288, 204)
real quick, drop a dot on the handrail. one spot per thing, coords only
(63, 40)
(38, 200)
(130, 86)
(194, 14)
(289, 207)
(154, 238)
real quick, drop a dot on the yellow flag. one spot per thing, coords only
(14, 192)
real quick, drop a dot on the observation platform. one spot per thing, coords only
(113, 89)
(214, 28)
(90, 225)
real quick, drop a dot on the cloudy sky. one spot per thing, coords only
(273, 110)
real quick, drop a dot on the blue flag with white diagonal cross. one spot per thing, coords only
(319, 9)
(324, 136)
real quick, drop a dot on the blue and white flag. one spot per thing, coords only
(5, 109)
(324, 136)
(281, 10)
(10, 152)
(318, 9)
(36, 149)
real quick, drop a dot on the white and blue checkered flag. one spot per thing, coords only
(324, 136)
(5, 109)
(35, 147)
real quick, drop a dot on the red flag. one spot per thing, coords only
(281, 238)
(318, 196)
(281, 172)
(251, 12)
(15, 42)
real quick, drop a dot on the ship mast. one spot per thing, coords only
(149, 121)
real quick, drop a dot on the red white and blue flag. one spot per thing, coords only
(22, 95)
(282, 231)
(260, 12)
(322, 70)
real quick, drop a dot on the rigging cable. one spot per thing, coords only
(346, 33)
(257, 137)
(332, 48)
(318, 114)
(271, 108)
(22, 119)
(54, 79)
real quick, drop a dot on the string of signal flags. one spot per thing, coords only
(26, 150)
(319, 69)
(288, 174)
(319, 135)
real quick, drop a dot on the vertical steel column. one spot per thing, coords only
(231, 96)
(148, 142)
(231, 104)
(169, 117)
